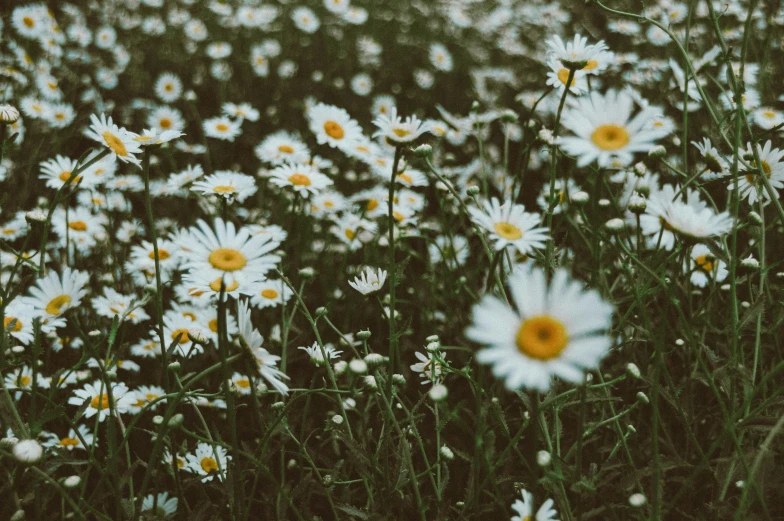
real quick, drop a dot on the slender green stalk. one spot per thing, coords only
(393, 354)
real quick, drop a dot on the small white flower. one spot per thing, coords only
(28, 452)
(370, 281)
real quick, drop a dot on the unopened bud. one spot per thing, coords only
(543, 458)
(637, 203)
(176, 420)
(755, 218)
(615, 225)
(438, 392)
(657, 151)
(580, 197)
(423, 150)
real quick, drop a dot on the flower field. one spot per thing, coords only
(391, 260)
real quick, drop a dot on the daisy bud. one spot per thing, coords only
(472, 190)
(190, 96)
(176, 420)
(543, 458)
(278, 405)
(291, 464)
(460, 504)
(111, 374)
(423, 150)
(363, 335)
(615, 225)
(337, 419)
(447, 453)
(340, 367)
(637, 500)
(433, 347)
(398, 379)
(150, 288)
(745, 304)
(755, 218)
(19, 515)
(642, 398)
(657, 151)
(374, 360)
(370, 383)
(321, 311)
(725, 287)
(580, 197)
(438, 392)
(630, 429)
(750, 262)
(740, 483)
(604, 203)
(8, 443)
(327, 480)
(432, 338)
(17, 350)
(679, 342)
(637, 203)
(197, 336)
(307, 273)
(8, 114)
(174, 367)
(358, 366)
(157, 419)
(475, 106)
(72, 481)
(640, 169)
(35, 217)
(546, 135)
(94, 333)
(107, 278)
(28, 452)
(633, 370)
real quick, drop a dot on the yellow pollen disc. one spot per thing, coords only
(17, 324)
(28, 21)
(141, 402)
(79, 226)
(765, 168)
(214, 324)
(115, 144)
(542, 337)
(372, 205)
(184, 338)
(24, 380)
(704, 262)
(363, 149)
(165, 123)
(768, 114)
(334, 130)
(224, 189)
(162, 254)
(401, 132)
(610, 137)
(56, 305)
(285, 149)
(350, 234)
(405, 178)
(151, 396)
(269, 293)
(227, 259)
(215, 286)
(591, 65)
(100, 402)
(180, 463)
(508, 231)
(190, 316)
(221, 127)
(299, 180)
(563, 76)
(209, 465)
(68, 442)
(67, 175)
(243, 383)
(399, 217)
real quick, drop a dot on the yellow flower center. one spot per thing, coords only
(541, 337)
(401, 132)
(765, 168)
(591, 65)
(350, 234)
(24, 381)
(165, 123)
(227, 259)
(57, 304)
(405, 178)
(769, 114)
(334, 130)
(16, 321)
(162, 254)
(224, 189)
(563, 77)
(79, 226)
(610, 137)
(704, 262)
(69, 442)
(299, 180)
(184, 335)
(399, 217)
(28, 21)
(215, 285)
(100, 402)
(508, 231)
(115, 144)
(269, 293)
(372, 205)
(221, 127)
(286, 149)
(209, 465)
(243, 383)
(214, 323)
(168, 87)
(65, 176)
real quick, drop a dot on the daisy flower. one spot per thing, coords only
(303, 179)
(241, 111)
(80, 226)
(370, 281)
(54, 294)
(717, 166)
(563, 195)
(113, 304)
(22, 378)
(410, 177)
(161, 505)
(222, 128)
(452, 250)
(315, 354)
(240, 383)
(333, 126)
(166, 118)
(576, 53)
(704, 267)
(227, 184)
(22, 315)
(251, 340)
(429, 367)
(272, 293)
(70, 441)
(178, 180)
(282, 147)
(180, 328)
(772, 162)
(559, 329)
(382, 104)
(397, 131)
(525, 509)
(157, 136)
(208, 461)
(510, 224)
(58, 170)
(692, 219)
(96, 397)
(328, 203)
(168, 87)
(768, 118)
(120, 142)
(440, 57)
(305, 20)
(204, 283)
(144, 395)
(603, 129)
(558, 75)
(354, 231)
